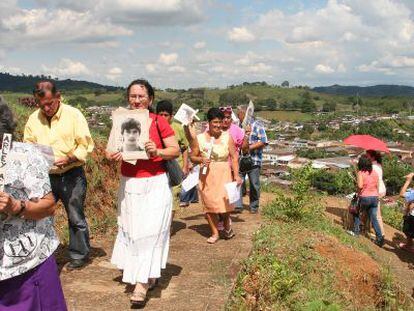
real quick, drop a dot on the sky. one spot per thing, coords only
(214, 43)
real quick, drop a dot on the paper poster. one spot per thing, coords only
(249, 115)
(129, 133)
(209, 151)
(186, 114)
(233, 192)
(192, 179)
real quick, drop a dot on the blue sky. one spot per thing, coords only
(190, 43)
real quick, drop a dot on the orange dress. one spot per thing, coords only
(212, 192)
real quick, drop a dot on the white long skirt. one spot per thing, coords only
(144, 218)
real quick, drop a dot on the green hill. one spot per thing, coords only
(25, 83)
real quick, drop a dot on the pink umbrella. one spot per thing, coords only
(366, 142)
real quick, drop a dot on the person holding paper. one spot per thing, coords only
(29, 276)
(255, 140)
(144, 202)
(65, 129)
(215, 148)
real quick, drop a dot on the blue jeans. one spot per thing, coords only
(369, 205)
(191, 196)
(70, 188)
(254, 194)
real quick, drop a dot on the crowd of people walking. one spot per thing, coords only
(38, 178)
(35, 179)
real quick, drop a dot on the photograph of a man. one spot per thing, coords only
(131, 131)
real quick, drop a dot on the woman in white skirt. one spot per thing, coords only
(144, 202)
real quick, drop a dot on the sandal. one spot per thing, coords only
(229, 234)
(213, 239)
(138, 298)
(153, 283)
(406, 248)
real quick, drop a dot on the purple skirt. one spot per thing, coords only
(36, 290)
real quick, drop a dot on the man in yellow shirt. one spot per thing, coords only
(64, 128)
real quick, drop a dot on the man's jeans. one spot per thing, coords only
(370, 205)
(191, 196)
(70, 188)
(254, 194)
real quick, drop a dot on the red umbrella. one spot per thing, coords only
(366, 142)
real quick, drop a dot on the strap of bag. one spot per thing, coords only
(159, 132)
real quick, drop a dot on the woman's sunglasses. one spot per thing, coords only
(226, 109)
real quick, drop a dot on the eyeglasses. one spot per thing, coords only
(226, 109)
(140, 98)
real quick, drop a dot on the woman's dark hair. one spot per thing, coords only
(365, 164)
(130, 124)
(7, 122)
(375, 155)
(165, 106)
(214, 113)
(146, 84)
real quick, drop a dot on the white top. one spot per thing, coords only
(25, 244)
(381, 185)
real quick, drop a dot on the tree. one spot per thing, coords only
(285, 84)
(233, 98)
(329, 106)
(307, 105)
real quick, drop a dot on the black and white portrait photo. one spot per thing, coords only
(130, 131)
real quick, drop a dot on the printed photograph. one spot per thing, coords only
(129, 133)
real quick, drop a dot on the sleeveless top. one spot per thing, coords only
(220, 149)
(370, 184)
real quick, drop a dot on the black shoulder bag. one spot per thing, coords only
(174, 171)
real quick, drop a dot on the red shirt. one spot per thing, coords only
(153, 166)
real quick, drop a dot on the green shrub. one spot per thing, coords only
(338, 182)
(393, 174)
(297, 206)
(392, 215)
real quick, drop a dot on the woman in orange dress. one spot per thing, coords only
(215, 148)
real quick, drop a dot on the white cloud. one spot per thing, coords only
(259, 68)
(114, 73)
(67, 68)
(177, 69)
(240, 34)
(150, 68)
(320, 68)
(199, 45)
(11, 69)
(168, 59)
(30, 27)
(153, 12)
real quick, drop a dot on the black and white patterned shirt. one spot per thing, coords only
(25, 244)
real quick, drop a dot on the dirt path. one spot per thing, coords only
(400, 261)
(198, 276)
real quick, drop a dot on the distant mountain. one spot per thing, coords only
(25, 83)
(376, 90)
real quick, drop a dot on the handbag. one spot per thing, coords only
(173, 169)
(353, 207)
(245, 163)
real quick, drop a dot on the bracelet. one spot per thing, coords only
(22, 209)
(159, 153)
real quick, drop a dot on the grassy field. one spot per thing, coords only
(301, 260)
(281, 115)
